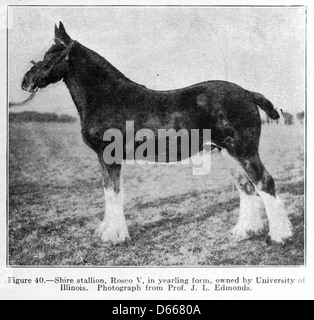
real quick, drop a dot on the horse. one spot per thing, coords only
(105, 98)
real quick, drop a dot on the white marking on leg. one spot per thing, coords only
(250, 216)
(113, 227)
(251, 206)
(279, 225)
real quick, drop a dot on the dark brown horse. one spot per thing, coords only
(106, 99)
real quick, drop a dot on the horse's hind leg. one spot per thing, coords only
(251, 205)
(279, 224)
(113, 227)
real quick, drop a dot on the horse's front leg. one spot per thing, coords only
(113, 227)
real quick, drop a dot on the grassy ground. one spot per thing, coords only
(175, 218)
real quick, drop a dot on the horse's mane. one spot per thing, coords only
(98, 63)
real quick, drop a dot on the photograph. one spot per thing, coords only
(156, 136)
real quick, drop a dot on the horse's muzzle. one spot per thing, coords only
(30, 88)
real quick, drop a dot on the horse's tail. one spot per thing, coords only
(265, 105)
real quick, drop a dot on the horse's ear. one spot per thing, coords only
(61, 27)
(56, 31)
(61, 35)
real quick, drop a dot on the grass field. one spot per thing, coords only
(56, 202)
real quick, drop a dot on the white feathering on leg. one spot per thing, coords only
(251, 206)
(250, 216)
(113, 227)
(279, 225)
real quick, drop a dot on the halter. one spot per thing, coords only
(65, 53)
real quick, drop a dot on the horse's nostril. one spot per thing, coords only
(24, 86)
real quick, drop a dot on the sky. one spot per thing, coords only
(260, 49)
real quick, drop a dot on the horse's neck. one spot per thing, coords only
(91, 75)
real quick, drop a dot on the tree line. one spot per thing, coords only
(33, 116)
(287, 117)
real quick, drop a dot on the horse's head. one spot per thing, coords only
(54, 65)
